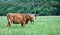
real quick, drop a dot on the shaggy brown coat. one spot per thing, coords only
(17, 19)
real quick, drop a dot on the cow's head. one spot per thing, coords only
(32, 17)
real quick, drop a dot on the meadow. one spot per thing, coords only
(43, 25)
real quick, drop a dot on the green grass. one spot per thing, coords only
(43, 25)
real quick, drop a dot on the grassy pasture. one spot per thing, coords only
(43, 25)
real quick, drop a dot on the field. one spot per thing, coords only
(43, 25)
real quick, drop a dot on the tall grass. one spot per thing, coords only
(43, 25)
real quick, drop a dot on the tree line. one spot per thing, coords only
(40, 7)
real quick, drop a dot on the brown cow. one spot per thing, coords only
(19, 18)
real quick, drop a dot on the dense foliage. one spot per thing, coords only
(40, 7)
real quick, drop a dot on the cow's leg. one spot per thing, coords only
(26, 22)
(9, 23)
(23, 24)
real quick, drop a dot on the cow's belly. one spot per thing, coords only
(16, 22)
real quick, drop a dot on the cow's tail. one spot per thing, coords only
(8, 16)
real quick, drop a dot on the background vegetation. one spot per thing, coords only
(40, 7)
